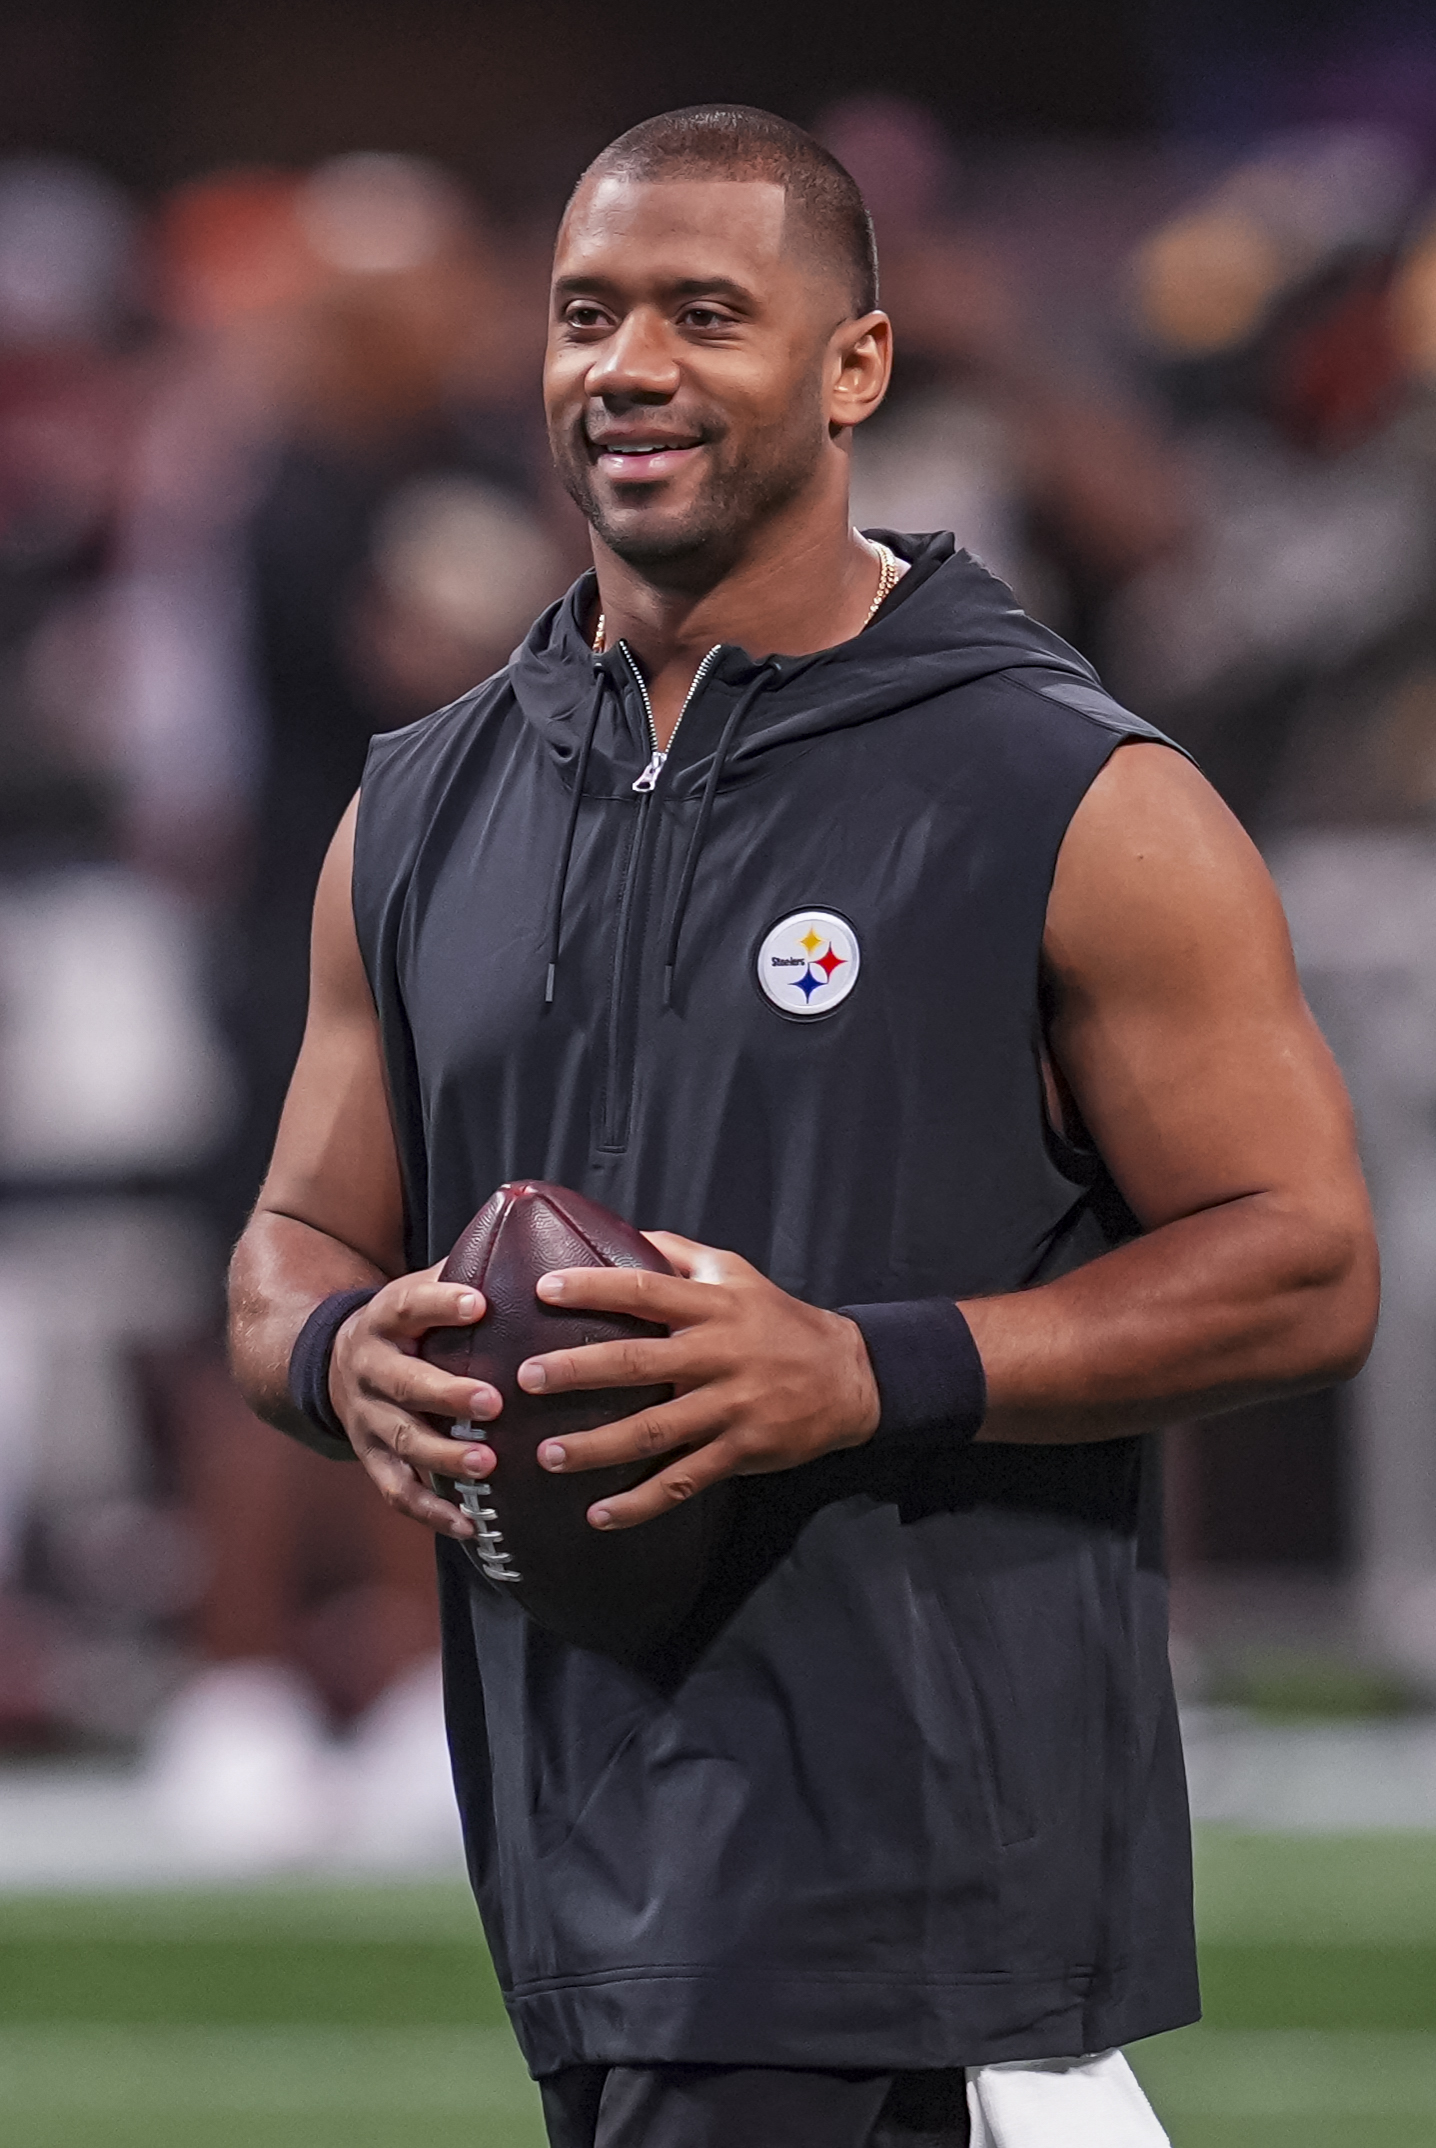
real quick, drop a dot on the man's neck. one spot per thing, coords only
(783, 598)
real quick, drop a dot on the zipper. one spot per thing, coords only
(623, 1020)
(646, 782)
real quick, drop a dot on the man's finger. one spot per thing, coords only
(423, 1389)
(669, 1300)
(635, 1362)
(699, 1263)
(418, 1446)
(685, 1479)
(657, 1431)
(416, 1304)
(404, 1492)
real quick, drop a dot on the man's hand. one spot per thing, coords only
(761, 1381)
(383, 1390)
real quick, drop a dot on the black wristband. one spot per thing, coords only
(309, 1359)
(930, 1377)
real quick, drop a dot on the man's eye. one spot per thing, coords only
(704, 317)
(584, 316)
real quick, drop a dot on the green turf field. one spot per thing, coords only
(322, 2017)
(1319, 1983)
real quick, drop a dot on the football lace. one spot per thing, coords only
(487, 1550)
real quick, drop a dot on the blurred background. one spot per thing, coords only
(272, 478)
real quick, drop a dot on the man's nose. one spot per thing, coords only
(636, 360)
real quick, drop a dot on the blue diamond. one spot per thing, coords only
(808, 984)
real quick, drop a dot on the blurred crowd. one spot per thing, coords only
(273, 478)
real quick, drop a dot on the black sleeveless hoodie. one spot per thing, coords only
(908, 1791)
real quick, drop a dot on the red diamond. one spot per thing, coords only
(829, 962)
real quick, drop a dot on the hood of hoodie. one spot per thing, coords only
(949, 621)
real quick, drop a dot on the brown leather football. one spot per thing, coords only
(621, 1592)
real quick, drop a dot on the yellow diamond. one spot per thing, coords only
(810, 940)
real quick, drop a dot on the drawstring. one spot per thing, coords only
(700, 826)
(580, 777)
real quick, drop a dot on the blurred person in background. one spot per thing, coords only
(408, 465)
(1065, 488)
(339, 533)
(1268, 311)
(107, 1076)
(68, 287)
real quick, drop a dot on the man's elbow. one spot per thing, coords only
(1339, 1319)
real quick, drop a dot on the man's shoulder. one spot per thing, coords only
(409, 773)
(1067, 699)
(427, 744)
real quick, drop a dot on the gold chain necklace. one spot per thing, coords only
(890, 572)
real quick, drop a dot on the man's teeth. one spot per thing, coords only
(658, 447)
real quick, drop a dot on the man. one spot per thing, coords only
(796, 893)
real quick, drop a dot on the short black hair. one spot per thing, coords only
(738, 141)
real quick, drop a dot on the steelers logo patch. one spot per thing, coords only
(808, 963)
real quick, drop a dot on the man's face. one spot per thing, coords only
(684, 381)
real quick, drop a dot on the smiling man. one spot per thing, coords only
(792, 891)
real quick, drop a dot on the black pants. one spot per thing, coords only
(752, 2107)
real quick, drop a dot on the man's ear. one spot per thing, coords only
(860, 361)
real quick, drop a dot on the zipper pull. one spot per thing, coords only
(652, 772)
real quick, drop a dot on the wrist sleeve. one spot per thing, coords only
(930, 1379)
(309, 1363)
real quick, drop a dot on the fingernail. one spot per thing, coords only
(469, 1306)
(550, 1286)
(485, 1403)
(551, 1455)
(532, 1377)
(462, 1526)
(600, 1517)
(477, 1462)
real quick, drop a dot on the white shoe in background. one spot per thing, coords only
(240, 1773)
(399, 1784)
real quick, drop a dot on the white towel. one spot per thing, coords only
(1092, 2102)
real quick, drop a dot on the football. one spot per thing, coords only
(621, 1592)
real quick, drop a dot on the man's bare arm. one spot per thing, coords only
(329, 1218)
(1180, 1029)
(329, 1215)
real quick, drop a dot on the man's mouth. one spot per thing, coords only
(642, 462)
